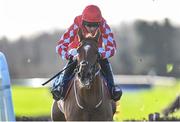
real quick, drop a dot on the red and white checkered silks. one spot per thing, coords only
(69, 40)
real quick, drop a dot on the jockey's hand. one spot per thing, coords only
(73, 53)
(70, 57)
(99, 56)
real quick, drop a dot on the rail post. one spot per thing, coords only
(6, 105)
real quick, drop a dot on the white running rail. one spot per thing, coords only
(6, 105)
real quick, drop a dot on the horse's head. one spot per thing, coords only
(88, 59)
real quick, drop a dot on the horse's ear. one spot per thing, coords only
(80, 34)
(97, 35)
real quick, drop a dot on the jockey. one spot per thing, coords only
(90, 20)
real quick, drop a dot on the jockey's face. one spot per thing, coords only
(91, 26)
(91, 29)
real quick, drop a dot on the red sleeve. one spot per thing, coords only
(66, 39)
(107, 48)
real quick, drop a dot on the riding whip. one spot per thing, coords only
(58, 73)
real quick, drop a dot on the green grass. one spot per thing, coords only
(31, 101)
(133, 105)
(138, 105)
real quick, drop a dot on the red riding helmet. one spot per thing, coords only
(92, 13)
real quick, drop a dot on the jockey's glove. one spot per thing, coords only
(73, 53)
(99, 56)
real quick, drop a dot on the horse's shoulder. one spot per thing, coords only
(72, 80)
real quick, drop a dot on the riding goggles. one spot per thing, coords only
(91, 24)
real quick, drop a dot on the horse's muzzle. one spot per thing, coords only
(86, 83)
(84, 74)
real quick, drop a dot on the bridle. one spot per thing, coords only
(94, 71)
(93, 68)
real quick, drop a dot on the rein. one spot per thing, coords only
(97, 105)
(95, 71)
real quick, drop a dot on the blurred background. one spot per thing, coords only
(147, 33)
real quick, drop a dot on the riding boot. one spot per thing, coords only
(115, 92)
(60, 84)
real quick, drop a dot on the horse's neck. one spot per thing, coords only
(92, 95)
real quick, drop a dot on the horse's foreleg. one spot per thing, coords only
(114, 107)
(56, 114)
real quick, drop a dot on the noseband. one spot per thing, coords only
(94, 69)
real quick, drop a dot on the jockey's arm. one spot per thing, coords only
(108, 47)
(63, 44)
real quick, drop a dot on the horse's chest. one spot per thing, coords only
(77, 114)
(77, 110)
